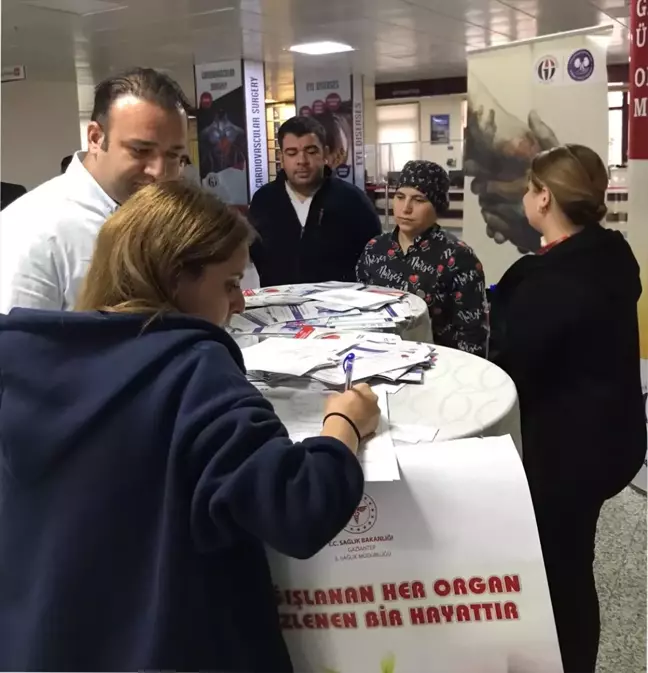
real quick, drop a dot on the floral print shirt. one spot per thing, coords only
(444, 272)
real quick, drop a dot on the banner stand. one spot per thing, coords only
(232, 133)
(513, 118)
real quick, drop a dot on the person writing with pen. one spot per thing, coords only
(156, 456)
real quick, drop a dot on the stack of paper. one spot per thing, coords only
(341, 306)
(322, 359)
(302, 414)
(354, 299)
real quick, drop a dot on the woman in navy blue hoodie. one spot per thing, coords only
(142, 474)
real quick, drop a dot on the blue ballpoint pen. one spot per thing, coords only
(347, 366)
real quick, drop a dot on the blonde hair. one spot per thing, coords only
(577, 179)
(162, 231)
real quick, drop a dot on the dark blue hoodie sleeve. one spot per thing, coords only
(248, 477)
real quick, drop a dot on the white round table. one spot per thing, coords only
(462, 396)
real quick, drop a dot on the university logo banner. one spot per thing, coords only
(554, 91)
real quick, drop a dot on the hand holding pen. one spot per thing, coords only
(347, 366)
(354, 414)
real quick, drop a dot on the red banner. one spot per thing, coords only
(638, 126)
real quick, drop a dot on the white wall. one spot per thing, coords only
(428, 106)
(40, 126)
(439, 105)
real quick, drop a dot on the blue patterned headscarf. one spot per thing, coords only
(430, 179)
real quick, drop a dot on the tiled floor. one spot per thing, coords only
(620, 569)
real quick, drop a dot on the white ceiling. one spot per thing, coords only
(394, 39)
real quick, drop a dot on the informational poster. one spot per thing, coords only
(13, 73)
(555, 92)
(439, 572)
(222, 139)
(440, 129)
(327, 97)
(257, 132)
(638, 179)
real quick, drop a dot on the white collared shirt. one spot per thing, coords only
(301, 205)
(47, 239)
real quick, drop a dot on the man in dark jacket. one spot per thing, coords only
(312, 226)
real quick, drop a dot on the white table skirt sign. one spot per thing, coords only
(440, 572)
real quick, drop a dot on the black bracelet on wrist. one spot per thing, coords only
(348, 420)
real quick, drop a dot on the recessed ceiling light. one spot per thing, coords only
(321, 48)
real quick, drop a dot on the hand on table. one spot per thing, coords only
(360, 406)
(499, 166)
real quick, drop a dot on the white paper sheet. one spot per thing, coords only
(239, 323)
(302, 413)
(354, 298)
(336, 284)
(322, 359)
(274, 299)
(373, 363)
(413, 434)
(290, 356)
(389, 388)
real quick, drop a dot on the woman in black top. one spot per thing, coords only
(567, 320)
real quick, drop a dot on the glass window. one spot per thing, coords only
(398, 123)
(615, 98)
(615, 152)
(397, 129)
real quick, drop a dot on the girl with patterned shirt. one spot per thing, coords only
(421, 258)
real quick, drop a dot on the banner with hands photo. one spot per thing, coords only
(498, 165)
(525, 98)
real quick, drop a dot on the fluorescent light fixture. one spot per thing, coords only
(213, 11)
(81, 7)
(270, 101)
(321, 48)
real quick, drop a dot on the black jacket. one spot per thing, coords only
(569, 338)
(340, 222)
(141, 476)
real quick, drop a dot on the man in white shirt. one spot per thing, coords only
(137, 136)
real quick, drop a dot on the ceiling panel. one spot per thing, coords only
(394, 39)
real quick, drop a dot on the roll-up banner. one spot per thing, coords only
(232, 136)
(638, 179)
(440, 572)
(358, 132)
(555, 91)
(257, 132)
(327, 96)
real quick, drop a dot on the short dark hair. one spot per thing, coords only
(145, 83)
(65, 162)
(301, 126)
